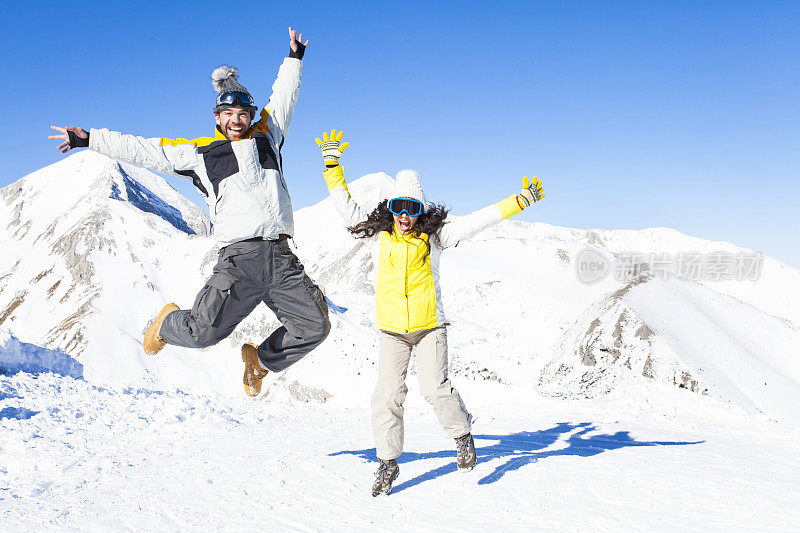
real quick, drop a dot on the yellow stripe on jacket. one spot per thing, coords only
(405, 295)
(261, 126)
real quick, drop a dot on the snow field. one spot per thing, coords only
(79, 456)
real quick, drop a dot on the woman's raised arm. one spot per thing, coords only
(332, 149)
(465, 227)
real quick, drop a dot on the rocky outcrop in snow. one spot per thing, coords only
(608, 346)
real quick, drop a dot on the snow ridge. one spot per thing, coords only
(143, 198)
(16, 356)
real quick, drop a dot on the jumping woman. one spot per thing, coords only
(410, 235)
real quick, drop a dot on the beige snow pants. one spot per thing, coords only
(394, 354)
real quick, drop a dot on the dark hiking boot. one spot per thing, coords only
(254, 374)
(466, 458)
(386, 474)
(153, 342)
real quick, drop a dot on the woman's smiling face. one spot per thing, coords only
(404, 223)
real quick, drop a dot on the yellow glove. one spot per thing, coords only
(531, 193)
(331, 147)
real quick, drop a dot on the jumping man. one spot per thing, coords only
(240, 172)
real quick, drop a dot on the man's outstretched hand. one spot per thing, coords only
(295, 39)
(78, 138)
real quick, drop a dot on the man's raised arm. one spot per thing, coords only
(285, 90)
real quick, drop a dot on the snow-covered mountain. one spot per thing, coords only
(86, 239)
(632, 404)
(685, 335)
(94, 248)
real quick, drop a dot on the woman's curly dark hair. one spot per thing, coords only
(381, 219)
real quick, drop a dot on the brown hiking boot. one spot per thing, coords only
(152, 340)
(386, 474)
(466, 458)
(254, 374)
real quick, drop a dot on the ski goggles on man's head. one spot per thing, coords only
(412, 208)
(230, 98)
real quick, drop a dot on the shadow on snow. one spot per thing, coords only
(520, 449)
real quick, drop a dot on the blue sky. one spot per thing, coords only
(634, 114)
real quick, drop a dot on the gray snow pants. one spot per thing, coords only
(394, 354)
(247, 273)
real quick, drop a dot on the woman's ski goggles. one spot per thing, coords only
(412, 208)
(231, 97)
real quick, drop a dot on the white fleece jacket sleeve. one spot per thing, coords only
(285, 92)
(147, 153)
(465, 227)
(350, 211)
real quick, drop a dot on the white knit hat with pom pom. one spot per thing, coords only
(407, 186)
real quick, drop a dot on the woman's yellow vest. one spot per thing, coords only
(405, 294)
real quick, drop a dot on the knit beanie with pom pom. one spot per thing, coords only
(224, 80)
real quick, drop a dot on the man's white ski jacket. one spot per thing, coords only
(242, 180)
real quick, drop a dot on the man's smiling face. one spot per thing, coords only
(233, 122)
